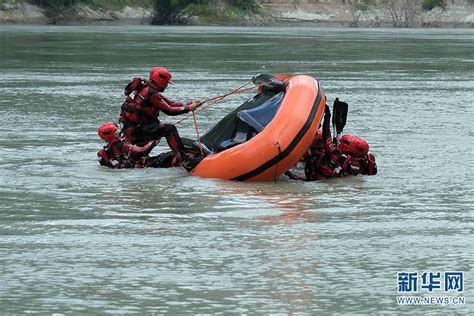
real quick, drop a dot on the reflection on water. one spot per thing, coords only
(76, 237)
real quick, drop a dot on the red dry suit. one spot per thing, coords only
(140, 112)
(332, 162)
(120, 154)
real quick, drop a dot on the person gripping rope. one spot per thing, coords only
(141, 108)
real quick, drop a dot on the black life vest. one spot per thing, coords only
(112, 156)
(133, 108)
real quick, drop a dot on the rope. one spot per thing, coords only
(220, 97)
(216, 99)
(197, 133)
(277, 146)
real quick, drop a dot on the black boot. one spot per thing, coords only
(190, 163)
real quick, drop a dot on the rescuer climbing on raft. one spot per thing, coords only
(141, 108)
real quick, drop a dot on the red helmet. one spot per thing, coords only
(353, 145)
(107, 131)
(318, 142)
(161, 76)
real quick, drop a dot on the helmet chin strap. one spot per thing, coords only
(157, 85)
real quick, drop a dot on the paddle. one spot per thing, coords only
(339, 112)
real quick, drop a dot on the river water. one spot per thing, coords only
(76, 237)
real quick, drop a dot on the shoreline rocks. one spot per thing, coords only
(274, 14)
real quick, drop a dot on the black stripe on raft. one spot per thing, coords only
(283, 154)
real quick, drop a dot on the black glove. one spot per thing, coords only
(327, 111)
(341, 159)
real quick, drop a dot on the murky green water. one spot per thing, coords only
(75, 237)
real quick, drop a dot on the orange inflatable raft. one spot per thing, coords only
(268, 134)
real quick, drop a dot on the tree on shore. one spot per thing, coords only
(402, 12)
(171, 11)
(55, 9)
(168, 11)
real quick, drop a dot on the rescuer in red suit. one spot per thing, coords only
(142, 107)
(326, 160)
(118, 153)
(350, 157)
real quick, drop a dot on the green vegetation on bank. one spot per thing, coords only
(164, 11)
(209, 11)
(428, 5)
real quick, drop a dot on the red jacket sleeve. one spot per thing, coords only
(167, 106)
(137, 151)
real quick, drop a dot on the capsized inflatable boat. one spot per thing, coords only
(268, 134)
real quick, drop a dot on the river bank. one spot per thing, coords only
(271, 13)
(457, 14)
